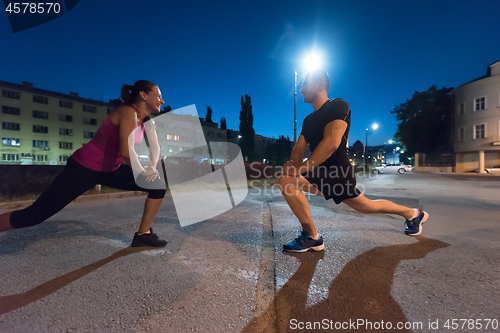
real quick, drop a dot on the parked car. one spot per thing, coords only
(392, 168)
(495, 169)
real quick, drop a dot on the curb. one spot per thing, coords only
(82, 198)
(470, 176)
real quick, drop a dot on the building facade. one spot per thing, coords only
(185, 137)
(477, 122)
(45, 127)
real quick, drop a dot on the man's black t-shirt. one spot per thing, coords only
(334, 177)
(314, 125)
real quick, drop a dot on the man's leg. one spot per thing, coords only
(292, 188)
(366, 206)
(414, 217)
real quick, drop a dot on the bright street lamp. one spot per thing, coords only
(312, 62)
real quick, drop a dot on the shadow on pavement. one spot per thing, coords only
(362, 290)
(13, 302)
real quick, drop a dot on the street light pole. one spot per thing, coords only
(295, 111)
(374, 126)
(365, 150)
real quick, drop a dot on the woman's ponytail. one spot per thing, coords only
(130, 93)
(125, 95)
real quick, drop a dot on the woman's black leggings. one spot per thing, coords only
(73, 181)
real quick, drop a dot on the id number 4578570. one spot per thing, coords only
(33, 7)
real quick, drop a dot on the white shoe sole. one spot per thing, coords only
(426, 216)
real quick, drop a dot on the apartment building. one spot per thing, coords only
(185, 136)
(45, 127)
(477, 122)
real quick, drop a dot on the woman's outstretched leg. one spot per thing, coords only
(73, 181)
(5, 222)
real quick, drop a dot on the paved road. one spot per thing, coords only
(76, 273)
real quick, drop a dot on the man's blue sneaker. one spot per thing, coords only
(414, 227)
(304, 243)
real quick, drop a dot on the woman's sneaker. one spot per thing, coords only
(150, 239)
(414, 227)
(304, 243)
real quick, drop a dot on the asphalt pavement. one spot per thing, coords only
(77, 273)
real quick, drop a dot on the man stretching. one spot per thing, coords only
(328, 171)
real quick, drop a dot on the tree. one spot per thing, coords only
(208, 117)
(166, 109)
(246, 127)
(357, 147)
(223, 124)
(356, 152)
(283, 149)
(426, 122)
(279, 151)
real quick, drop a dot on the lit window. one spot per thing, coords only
(10, 142)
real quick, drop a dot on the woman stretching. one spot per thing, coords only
(100, 161)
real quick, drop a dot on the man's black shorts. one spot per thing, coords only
(335, 182)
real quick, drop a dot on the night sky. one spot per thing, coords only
(378, 53)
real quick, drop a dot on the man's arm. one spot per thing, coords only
(298, 151)
(332, 137)
(296, 156)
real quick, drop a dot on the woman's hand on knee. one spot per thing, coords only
(150, 173)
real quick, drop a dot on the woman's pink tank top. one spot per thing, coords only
(102, 153)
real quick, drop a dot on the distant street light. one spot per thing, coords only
(374, 127)
(390, 142)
